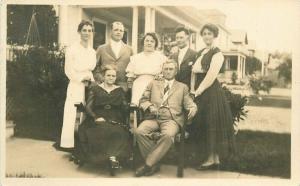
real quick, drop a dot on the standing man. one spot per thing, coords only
(165, 103)
(116, 52)
(185, 57)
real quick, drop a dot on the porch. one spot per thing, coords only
(235, 62)
(137, 20)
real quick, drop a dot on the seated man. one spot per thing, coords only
(164, 102)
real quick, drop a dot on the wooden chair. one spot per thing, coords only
(179, 142)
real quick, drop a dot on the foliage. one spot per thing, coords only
(285, 69)
(252, 64)
(37, 84)
(237, 104)
(234, 78)
(260, 84)
(18, 20)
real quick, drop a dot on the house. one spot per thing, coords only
(235, 56)
(163, 20)
(136, 19)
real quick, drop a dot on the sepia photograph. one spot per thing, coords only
(199, 90)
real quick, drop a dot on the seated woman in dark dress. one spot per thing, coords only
(103, 132)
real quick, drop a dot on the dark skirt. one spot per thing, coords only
(212, 126)
(97, 142)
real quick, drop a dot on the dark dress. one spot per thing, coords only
(109, 138)
(213, 124)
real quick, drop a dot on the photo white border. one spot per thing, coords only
(295, 122)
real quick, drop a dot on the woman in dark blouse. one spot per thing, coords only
(104, 133)
(214, 122)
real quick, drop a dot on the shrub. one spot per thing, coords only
(237, 104)
(37, 84)
(260, 84)
(234, 78)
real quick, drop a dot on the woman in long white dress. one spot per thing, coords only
(144, 66)
(80, 60)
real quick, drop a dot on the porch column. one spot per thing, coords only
(63, 25)
(135, 22)
(242, 67)
(152, 20)
(147, 19)
(239, 67)
(244, 62)
(262, 68)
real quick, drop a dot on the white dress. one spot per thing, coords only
(144, 67)
(79, 63)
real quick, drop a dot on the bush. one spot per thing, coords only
(237, 104)
(260, 84)
(37, 84)
(234, 78)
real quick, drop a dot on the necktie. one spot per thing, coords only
(166, 89)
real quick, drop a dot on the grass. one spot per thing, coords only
(271, 101)
(259, 153)
(263, 153)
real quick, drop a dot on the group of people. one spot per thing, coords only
(174, 90)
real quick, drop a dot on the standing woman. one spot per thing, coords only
(144, 66)
(80, 60)
(214, 121)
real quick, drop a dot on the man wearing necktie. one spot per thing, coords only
(185, 56)
(164, 102)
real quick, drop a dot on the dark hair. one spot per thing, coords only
(108, 67)
(116, 22)
(153, 35)
(182, 29)
(83, 23)
(211, 27)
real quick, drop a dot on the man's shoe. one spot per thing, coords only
(143, 171)
(154, 169)
(114, 165)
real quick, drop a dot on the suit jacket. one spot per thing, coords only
(178, 101)
(105, 56)
(185, 70)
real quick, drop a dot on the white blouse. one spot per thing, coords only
(143, 64)
(79, 62)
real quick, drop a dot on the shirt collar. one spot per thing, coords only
(169, 82)
(102, 86)
(113, 42)
(183, 49)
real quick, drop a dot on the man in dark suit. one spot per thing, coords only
(165, 103)
(185, 57)
(115, 52)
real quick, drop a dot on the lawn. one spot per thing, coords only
(263, 153)
(263, 140)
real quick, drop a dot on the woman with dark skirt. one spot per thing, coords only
(214, 122)
(104, 133)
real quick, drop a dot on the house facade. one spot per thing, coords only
(235, 55)
(137, 20)
(163, 20)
